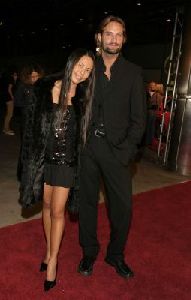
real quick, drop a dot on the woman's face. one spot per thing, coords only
(82, 69)
(34, 77)
(15, 76)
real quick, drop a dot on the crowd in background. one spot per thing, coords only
(14, 87)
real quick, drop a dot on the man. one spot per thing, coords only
(152, 106)
(118, 118)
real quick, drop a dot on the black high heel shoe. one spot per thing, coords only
(49, 284)
(43, 267)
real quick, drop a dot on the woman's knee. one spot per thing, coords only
(57, 210)
(46, 204)
(57, 213)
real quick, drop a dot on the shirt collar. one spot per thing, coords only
(101, 66)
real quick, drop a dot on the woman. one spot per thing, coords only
(9, 98)
(28, 76)
(52, 155)
(22, 102)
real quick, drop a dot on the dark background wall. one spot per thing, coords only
(150, 57)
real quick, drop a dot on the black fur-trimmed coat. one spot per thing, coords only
(38, 113)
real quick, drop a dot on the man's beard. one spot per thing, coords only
(108, 50)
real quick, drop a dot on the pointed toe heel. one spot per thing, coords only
(43, 267)
(49, 285)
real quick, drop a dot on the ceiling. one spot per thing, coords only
(35, 26)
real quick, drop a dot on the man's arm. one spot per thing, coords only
(137, 118)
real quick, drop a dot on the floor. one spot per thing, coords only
(148, 174)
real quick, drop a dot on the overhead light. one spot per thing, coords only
(168, 20)
(138, 3)
(80, 20)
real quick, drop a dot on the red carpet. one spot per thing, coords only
(159, 251)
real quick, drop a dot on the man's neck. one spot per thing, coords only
(109, 59)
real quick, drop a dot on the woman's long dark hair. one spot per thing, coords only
(86, 90)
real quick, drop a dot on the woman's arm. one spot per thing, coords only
(10, 87)
(56, 91)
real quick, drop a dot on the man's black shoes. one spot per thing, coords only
(120, 266)
(86, 265)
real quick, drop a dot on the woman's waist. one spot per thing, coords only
(55, 159)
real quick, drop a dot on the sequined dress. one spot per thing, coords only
(60, 156)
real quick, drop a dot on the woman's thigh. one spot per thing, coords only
(58, 199)
(48, 191)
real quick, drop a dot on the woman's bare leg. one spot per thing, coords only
(46, 217)
(8, 117)
(58, 202)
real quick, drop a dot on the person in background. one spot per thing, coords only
(152, 106)
(28, 76)
(155, 96)
(22, 104)
(160, 95)
(59, 116)
(9, 88)
(160, 110)
(117, 127)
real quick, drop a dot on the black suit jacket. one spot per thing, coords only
(124, 107)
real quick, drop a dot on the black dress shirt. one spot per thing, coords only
(123, 106)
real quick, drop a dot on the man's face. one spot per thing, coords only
(112, 38)
(152, 86)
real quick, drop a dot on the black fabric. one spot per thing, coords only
(38, 118)
(59, 175)
(124, 106)
(61, 144)
(35, 132)
(124, 113)
(21, 95)
(98, 161)
(60, 153)
(73, 203)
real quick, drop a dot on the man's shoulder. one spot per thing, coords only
(131, 66)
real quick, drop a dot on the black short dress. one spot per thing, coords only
(60, 155)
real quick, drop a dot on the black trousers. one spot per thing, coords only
(98, 161)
